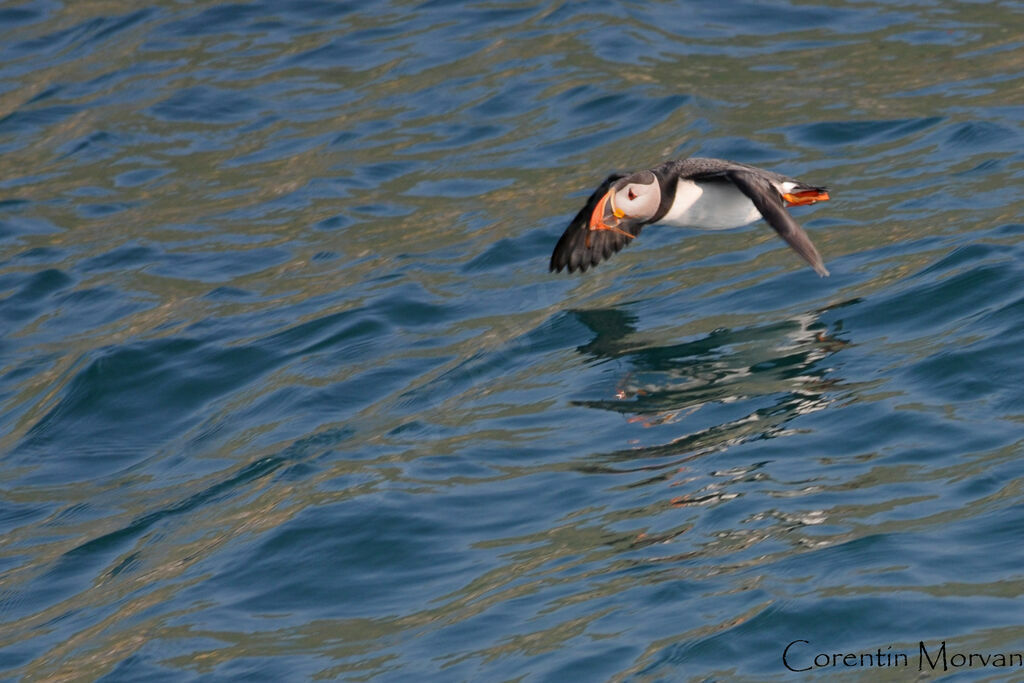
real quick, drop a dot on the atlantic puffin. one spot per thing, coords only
(698, 192)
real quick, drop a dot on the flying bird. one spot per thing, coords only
(711, 194)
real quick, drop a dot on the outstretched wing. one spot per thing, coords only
(580, 247)
(769, 202)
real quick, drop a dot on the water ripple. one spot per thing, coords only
(288, 393)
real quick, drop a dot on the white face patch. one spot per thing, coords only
(638, 199)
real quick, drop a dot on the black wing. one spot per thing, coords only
(768, 201)
(579, 247)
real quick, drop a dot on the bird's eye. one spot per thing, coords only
(632, 195)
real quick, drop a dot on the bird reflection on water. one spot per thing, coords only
(729, 387)
(770, 373)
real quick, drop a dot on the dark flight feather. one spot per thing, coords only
(768, 202)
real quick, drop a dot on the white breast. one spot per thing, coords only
(710, 206)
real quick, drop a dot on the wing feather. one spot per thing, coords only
(769, 202)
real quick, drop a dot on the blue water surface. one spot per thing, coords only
(287, 392)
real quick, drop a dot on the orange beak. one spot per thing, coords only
(597, 218)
